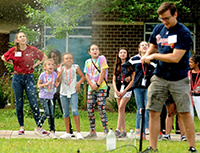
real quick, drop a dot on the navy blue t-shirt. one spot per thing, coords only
(136, 65)
(177, 37)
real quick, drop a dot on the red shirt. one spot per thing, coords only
(24, 60)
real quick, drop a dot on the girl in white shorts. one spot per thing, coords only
(122, 89)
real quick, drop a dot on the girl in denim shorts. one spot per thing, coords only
(68, 92)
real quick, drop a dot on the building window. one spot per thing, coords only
(77, 42)
(148, 29)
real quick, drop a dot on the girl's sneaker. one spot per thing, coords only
(166, 137)
(91, 135)
(65, 136)
(79, 136)
(21, 132)
(117, 133)
(123, 134)
(52, 135)
(43, 132)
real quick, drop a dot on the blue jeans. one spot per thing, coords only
(141, 101)
(19, 84)
(48, 106)
(73, 101)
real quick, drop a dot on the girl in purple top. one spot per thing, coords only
(47, 82)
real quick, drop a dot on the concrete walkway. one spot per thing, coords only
(31, 135)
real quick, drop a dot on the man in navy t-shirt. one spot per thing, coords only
(170, 45)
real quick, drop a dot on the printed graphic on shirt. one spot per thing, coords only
(170, 41)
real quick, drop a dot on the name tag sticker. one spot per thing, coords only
(144, 82)
(122, 88)
(172, 39)
(18, 54)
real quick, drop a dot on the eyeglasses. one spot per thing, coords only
(165, 19)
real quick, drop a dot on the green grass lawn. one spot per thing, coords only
(8, 121)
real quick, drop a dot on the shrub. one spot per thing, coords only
(81, 98)
(4, 90)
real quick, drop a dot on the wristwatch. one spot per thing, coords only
(97, 85)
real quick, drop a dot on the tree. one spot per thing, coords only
(129, 9)
(64, 15)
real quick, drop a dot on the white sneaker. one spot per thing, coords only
(52, 135)
(65, 136)
(79, 136)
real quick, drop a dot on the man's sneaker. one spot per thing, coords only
(117, 133)
(65, 136)
(183, 138)
(52, 135)
(21, 132)
(123, 134)
(149, 149)
(79, 136)
(91, 135)
(192, 149)
(166, 137)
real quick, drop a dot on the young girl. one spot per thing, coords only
(97, 88)
(121, 88)
(193, 75)
(22, 57)
(143, 73)
(68, 92)
(56, 56)
(46, 83)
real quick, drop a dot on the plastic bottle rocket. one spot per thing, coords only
(111, 140)
(132, 137)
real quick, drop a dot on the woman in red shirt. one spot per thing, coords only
(22, 57)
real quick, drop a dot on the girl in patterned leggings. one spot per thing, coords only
(97, 88)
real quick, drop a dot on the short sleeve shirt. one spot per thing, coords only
(93, 74)
(69, 81)
(177, 37)
(24, 60)
(47, 92)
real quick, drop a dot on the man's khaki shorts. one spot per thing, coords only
(158, 93)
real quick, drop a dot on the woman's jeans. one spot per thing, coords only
(141, 101)
(48, 106)
(19, 84)
(73, 101)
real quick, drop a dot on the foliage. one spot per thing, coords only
(3, 97)
(137, 8)
(5, 90)
(81, 98)
(58, 113)
(63, 16)
(130, 106)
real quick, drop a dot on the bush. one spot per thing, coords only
(81, 98)
(4, 91)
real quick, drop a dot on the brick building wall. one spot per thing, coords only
(110, 34)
